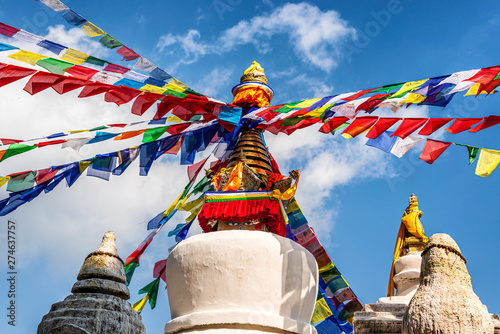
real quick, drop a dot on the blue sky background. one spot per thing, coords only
(353, 195)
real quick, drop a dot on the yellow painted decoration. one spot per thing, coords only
(413, 98)
(487, 162)
(27, 57)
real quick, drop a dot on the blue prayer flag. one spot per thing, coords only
(7, 47)
(73, 18)
(383, 142)
(147, 157)
(51, 46)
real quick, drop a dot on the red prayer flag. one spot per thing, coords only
(159, 270)
(333, 123)
(433, 125)
(288, 130)
(178, 128)
(51, 142)
(372, 102)
(136, 255)
(166, 105)
(6, 141)
(488, 121)
(68, 84)
(81, 72)
(45, 175)
(116, 68)
(127, 53)
(13, 73)
(195, 169)
(121, 95)
(7, 30)
(360, 125)
(462, 124)
(41, 81)
(358, 94)
(95, 89)
(144, 101)
(433, 149)
(381, 126)
(408, 126)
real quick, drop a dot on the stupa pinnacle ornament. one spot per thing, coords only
(262, 192)
(410, 241)
(99, 300)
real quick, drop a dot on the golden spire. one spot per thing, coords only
(411, 236)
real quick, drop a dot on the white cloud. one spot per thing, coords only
(317, 35)
(214, 81)
(326, 163)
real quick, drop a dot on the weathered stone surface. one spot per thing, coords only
(98, 303)
(444, 302)
(379, 318)
(87, 313)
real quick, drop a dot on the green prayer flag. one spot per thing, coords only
(388, 88)
(195, 118)
(54, 65)
(473, 152)
(340, 127)
(109, 42)
(102, 127)
(15, 149)
(174, 93)
(291, 121)
(152, 290)
(202, 186)
(153, 134)
(21, 182)
(129, 271)
(95, 61)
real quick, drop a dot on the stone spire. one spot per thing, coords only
(444, 301)
(99, 300)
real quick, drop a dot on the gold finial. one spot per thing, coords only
(254, 73)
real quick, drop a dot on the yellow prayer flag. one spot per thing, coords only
(152, 89)
(84, 165)
(4, 180)
(413, 98)
(176, 83)
(409, 86)
(306, 103)
(321, 311)
(318, 111)
(193, 205)
(474, 89)
(487, 162)
(140, 304)
(174, 119)
(74, 56)
(77, 131)
(27, 57)
(91, 29)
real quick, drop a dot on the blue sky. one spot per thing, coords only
(353, 195)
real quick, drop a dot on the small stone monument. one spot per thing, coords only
(444, 302)
(99, 300)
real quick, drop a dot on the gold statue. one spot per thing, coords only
(411, 237)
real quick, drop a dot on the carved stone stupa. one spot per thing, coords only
(99, 300)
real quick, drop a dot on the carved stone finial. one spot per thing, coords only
(444, 301)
